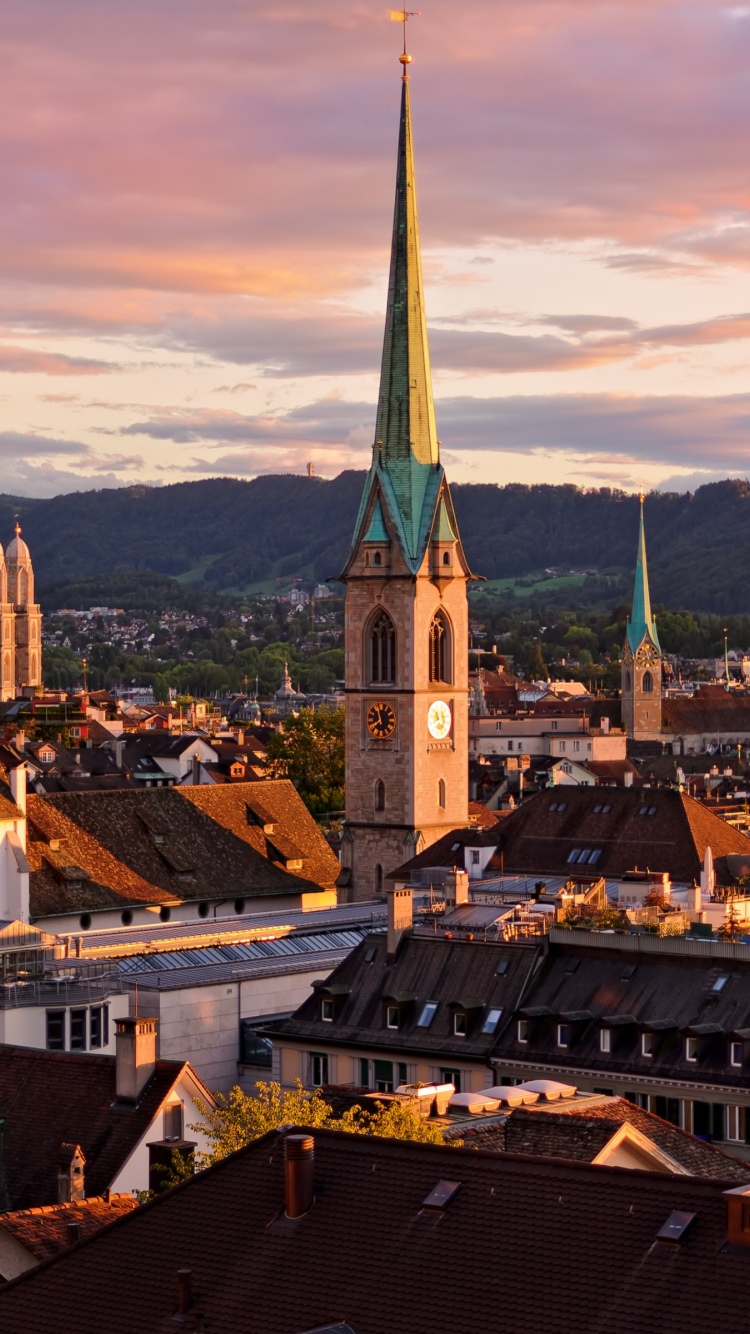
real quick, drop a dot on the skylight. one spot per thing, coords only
(492, 1020)
(720, 983)
(441, 1195)
(428, 1014)
(502, 967)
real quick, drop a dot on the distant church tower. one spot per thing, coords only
(7, 637)
(27, 615)
(406, 605)
(641, 658)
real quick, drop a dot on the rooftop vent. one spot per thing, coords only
(672, 1232)
(440, 1196)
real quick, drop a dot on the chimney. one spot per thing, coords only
(627, 779)
(738, 1215)
(695, 898)
(135, 1043)
(184, 1291)
(119, 748)
(400, 917)
(70, 1175)
(20, 740)
(299, 1174)
(456, 888)
(18, 786)
(196, 770)
(74, 1233)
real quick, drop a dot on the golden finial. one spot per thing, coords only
(18, 529)
(641, 495)
(403, 16)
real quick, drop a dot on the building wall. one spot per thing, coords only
(70, 924)
(293, 1061)
(134, 1173)
(26, 1025)
(410, 762)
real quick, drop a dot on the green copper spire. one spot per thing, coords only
(641, 621)
(406, 435)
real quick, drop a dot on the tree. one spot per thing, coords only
(239, 1118)
(310, 751)
(536, 667)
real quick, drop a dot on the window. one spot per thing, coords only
(403, 1073)
(55, 1030)
(78, 1030)
(492, 1019)
(427, 1015)
(451, 1077)
(553, 726)
(440, 648)
(502, 968)
(735, 1053)
(709, 1120)
(563, 1035)
(383, 1071)
(647, 1044)
(173, 1121)
(254, 1048)
(446, 558)
(576, 745)
(574, 854)
(441, 793)
(99, 1026)
(84, 921)
(380, 795)
(523, 1030)
(603, 808)
(605, 1039)
(562, 747)
(691, 1049)
(318, 1069)
(668, 1109)
(126, 917)
(378, 878)
(239, 906)
(382, 648)
(460, 1024)
(165, 914)
(558, 805)
(648, 683)
(626, 682)
(475, 857)
(377, 558)
(364, 1072)
(719, 984)
(326, 1010)
(391, 1016)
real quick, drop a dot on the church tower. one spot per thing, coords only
(406, 606)
(641, 658)
(7, 637)
(28, 616)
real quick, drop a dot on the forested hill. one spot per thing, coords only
(229, 535)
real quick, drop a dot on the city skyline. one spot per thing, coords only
(194, 252)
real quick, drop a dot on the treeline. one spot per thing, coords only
(222, 535)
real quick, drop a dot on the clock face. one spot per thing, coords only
(381, 720)
(439, 720)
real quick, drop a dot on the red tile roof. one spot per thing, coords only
(528, 1244)
(44, 1231)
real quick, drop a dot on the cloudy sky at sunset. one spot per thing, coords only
(195, 223)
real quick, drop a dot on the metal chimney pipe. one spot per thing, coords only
(74, 1233)
(299, 1174)
(184, 1290)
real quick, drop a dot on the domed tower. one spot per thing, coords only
(641, 658)
(7, 637)
(28, 617)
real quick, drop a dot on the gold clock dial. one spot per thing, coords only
(439, 720)
(381, 720)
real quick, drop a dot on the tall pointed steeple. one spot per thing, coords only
(406, 471)
(641, 622)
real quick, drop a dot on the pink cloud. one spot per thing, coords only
(26, 360)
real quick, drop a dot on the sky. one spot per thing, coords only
(196, 210)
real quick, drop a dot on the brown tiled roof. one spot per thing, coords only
(711, 710)
(44, 1231)
(53, 1098)
(531, 1244)
(165, 845)
(580, 1132)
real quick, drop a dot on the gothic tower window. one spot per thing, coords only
(647, 683)
(380, 795)
(377, 558)
(382, 649)
(440, 648)
(441, 794)
(627, 680)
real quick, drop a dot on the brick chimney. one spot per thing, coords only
(196, 769)
(400, 917)
(456, 888)
(70, 1176)
(135, 1044)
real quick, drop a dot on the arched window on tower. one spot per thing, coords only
(378, 878)
(647, 684)
(382, 647)
(380, 795)
(441, 793)
(440, 648)
(627, 680)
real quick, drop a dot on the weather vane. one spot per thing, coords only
(403, 16)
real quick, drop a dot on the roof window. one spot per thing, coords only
(492, 1019)
(441, 1195)
(673, 1231)
(574, 854)
(429, 1011)
(627, 972)
(602, 808)
(719, 984)
(558, 806)
(647, 810)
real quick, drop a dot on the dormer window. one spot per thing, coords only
(460, 1025)
(605, 1040)
(691, 1049)
(735, 1053)
(326, 1010)
(563, 1035)
(523, 1030)
(391, 1016)
(647, 1044)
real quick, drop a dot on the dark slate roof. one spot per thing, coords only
(580, 1132)
(531, 1244)
(166, 845)
(672, 993)
(44, 1231)
(711, 710)
(53, 1098)
(452, 973)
